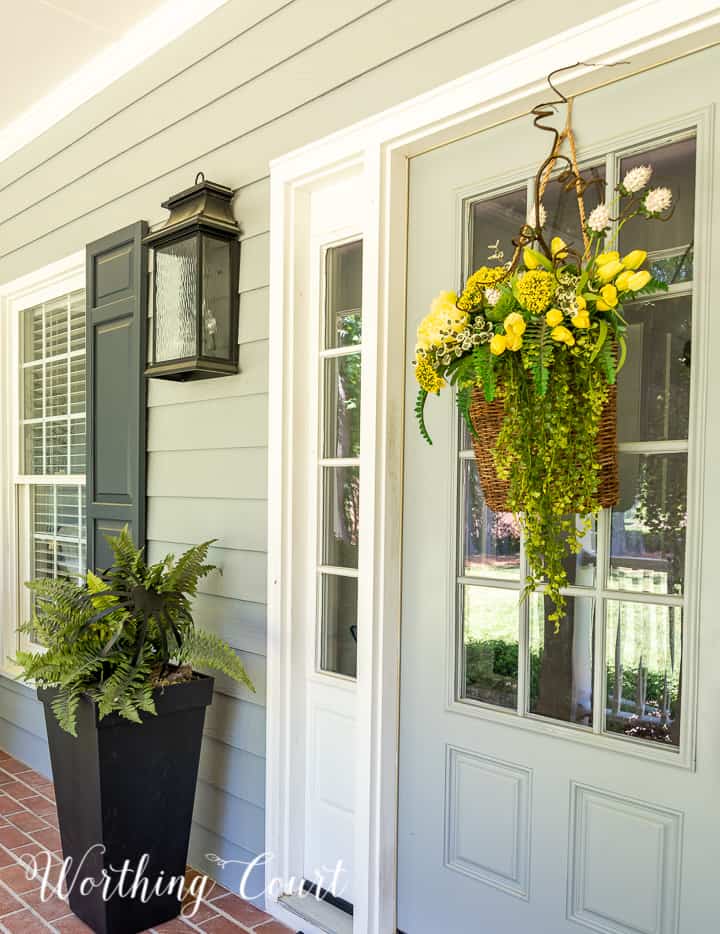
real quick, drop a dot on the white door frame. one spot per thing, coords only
(376, 151)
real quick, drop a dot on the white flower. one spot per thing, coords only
(531, 216)
(492, 296)
(658, 200)
(599, 219)
(637, 178)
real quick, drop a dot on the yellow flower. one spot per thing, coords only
(535, 290)
(611, 257)
(558, 248)
(531, 258)
(426, 376)
(622, 281)
(562, 335)
(444, 320)
(581, 320)
(498, 344)
(608, 271)
(639, 280)
(609, 298)
(580, 302)
(514, 324)
(514, 341)
(482, 278)
(635, 259)
(554, 317)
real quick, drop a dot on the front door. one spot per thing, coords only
(555, 782)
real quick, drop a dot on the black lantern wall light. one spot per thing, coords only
(196, 257)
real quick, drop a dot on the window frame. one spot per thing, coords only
(42, 285)
(694, 126)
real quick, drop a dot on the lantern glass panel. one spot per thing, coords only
(216, 298)
(176, 300)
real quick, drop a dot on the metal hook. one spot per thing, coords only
(200, 175)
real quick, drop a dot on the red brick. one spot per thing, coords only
(240, 910)
(17, 790)
(40, 806)
(13, 766)
(32, 778)
(176, 926)
(25, 922)
(9, 805)
(16, 877)
(8, 902)
(28, 822)
(272, 927)
(51, 909)
(12, 838)
(221, 926)
(49, 838)
(204, 912)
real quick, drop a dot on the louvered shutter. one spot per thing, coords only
(116, 341)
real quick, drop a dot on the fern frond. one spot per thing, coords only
(420, 414)
(205, 649)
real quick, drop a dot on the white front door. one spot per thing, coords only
(554, 782)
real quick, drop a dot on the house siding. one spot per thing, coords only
(251, 82)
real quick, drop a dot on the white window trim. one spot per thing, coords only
(42, 285)
(380, 146)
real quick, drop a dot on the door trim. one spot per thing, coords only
(378, 149)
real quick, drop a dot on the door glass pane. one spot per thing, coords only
(342, 406)
(561, 663)
(490, 645)
(647, 552)
(494, 223)
(341, 516)
(343, 306)
(338, 651)
(670, 244)
(490, 540)
(561, 207)
(644, 653)
(654, 384)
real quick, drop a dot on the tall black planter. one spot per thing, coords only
(131, 788)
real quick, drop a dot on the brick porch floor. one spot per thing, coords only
(28, 823)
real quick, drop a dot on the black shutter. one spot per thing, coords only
(116, 297)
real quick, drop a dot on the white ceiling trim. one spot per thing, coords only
(140, 42)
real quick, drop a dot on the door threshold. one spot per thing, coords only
(318, 912)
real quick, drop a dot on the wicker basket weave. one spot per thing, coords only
(487, 419)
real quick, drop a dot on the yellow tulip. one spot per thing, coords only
(562, 335)
(581, 320)
(514, 342)
(554, 317)
(531, 258)
(498, 344)
(581, 303)
(610, 295)
(612, 257)
(622, 281)
(558, 248)
(608, 271)
(515, 323)
(635, 259)
(639, 280)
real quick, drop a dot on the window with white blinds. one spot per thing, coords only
(51, 482)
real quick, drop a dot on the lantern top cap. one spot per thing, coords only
(205, 206)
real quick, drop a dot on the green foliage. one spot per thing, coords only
(117, 636)
(420, 414)
(484, 365)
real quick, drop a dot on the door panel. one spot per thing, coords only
(547, 781)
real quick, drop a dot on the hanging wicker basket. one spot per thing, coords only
(487, 419)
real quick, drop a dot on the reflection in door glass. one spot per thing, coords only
(491, 540)
(561, 663)
(495, 222)
(644, 652)
(647, 549)
(490, 635)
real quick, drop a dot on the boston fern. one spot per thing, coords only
(122, 634)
